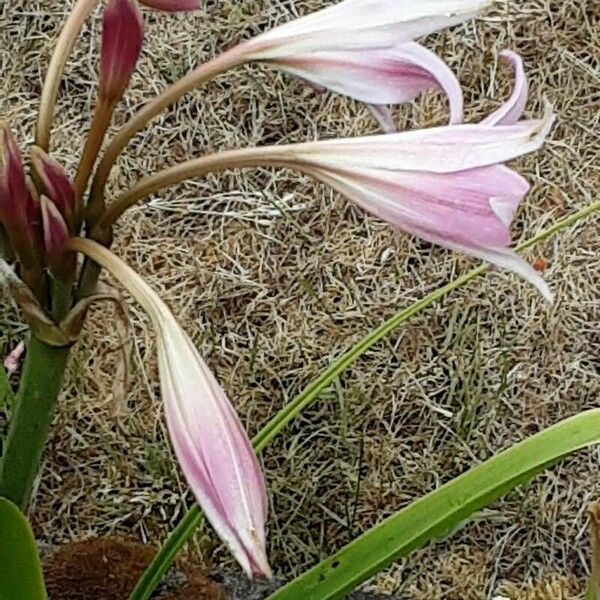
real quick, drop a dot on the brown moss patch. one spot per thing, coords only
(108, 569)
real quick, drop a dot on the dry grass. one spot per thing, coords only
(274, 276)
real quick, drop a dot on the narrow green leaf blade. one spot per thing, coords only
(20, 569)
(433, 515)
(5, 387)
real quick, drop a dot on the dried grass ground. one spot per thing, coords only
(274, 276)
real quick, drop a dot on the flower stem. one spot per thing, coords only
(64, 45)
(198, 167)
(98, 128)
(192, 80)
(32, 414)
(594, 586)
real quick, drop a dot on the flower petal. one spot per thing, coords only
(212, 447)
(438, 150)
(360, 24)
(379, 75)
(467, 211)
(512, 110)
(462, 206)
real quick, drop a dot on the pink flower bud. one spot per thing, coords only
(56, 233)
(14, 194)
(122, 38)
(19, 211)
(57, 185)
(13, 360)
(173, 5)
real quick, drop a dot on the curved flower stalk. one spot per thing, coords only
(446, 185)
(359, 48)
(64, 46)
(213, 449)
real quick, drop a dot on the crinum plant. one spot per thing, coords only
(447, 185)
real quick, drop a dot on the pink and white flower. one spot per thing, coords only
(363, 49)
(211, 445)
(447, 185)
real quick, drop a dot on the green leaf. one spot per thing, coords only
(6, 393)
(432, 516)
(20, 569)
(193, 517)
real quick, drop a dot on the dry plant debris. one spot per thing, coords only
(274, 276)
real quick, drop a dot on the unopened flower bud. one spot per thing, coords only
(56, 235)
(19, 212)
(122, 38)
(56, 183)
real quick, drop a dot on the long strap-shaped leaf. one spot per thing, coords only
(20, 568)
(186, 527)
(435, 515)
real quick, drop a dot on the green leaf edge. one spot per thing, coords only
(21, 575)
(193, 517)
(431, 516)
(6, 393)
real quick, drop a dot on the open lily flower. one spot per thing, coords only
(446, 185)
(360, 48)
(212, 447)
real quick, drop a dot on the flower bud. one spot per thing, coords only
(56, 235)
(56, 183)
(18, 208)
(122, 38)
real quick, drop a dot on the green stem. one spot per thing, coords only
(185, 528)
(32, 414)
